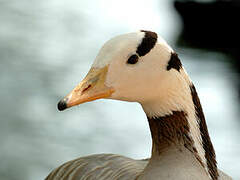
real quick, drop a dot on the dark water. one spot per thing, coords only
(46, 47)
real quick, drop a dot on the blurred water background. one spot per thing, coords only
(46, 48)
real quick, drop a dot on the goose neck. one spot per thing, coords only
(181, 129)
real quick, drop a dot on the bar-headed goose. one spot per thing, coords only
(142, 67)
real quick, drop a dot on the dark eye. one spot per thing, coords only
(133, 59)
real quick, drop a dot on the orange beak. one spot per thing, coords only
(91, 88)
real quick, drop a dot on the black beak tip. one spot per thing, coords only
(62, 105)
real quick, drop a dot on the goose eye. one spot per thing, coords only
(133, 59)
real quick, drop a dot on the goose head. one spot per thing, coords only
(139, 67)
(142, 67)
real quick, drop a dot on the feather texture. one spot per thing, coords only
(104, 167)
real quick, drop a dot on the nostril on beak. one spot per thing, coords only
(85, 89)
(62, 105)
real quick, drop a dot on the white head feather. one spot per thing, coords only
(148, 81)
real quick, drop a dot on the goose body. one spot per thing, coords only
(110, 167)
(142, 67)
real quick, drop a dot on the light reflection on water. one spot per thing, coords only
(48, 46)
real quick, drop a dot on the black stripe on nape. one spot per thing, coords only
(174, 62)
(148, 42)
(206, 141)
